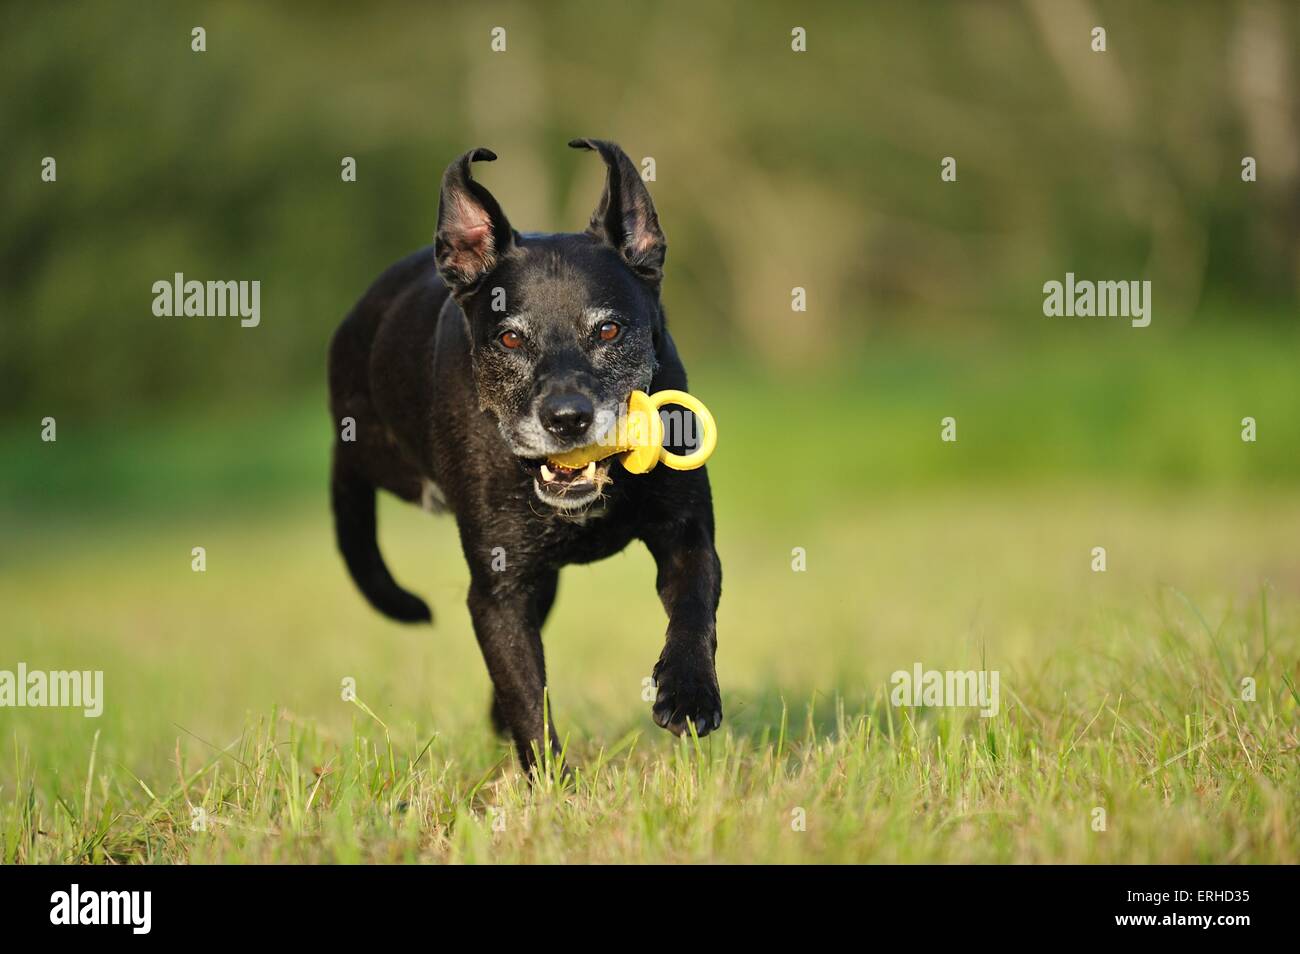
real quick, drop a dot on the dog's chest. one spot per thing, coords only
(584, 539)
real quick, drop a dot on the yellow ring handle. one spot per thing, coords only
(640, 436)
(708, 430)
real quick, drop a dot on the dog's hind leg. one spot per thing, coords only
(353, 498)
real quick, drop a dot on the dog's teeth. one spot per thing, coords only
(590, 471)
(547, 473)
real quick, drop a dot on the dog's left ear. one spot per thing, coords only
(625, 218)
(473, 234)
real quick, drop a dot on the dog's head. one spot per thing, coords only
(563, 327)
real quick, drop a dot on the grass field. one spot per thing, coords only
(1120, 690)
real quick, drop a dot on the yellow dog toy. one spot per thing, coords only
(640, 436)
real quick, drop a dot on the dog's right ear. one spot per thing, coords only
(473, 234)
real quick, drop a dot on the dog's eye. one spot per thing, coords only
(511, 340)
(609, 330)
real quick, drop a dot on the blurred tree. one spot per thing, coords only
(775, 168)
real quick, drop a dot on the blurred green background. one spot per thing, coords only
(774, 169)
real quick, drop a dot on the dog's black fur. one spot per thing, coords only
(444, 408)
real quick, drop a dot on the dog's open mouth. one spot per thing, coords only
(568, 488)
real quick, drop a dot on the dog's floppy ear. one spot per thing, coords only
(473, 234)
(626, 217)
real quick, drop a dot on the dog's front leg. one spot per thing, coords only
(690, 584)
(509, 634)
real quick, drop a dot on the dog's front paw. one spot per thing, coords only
(687, 690)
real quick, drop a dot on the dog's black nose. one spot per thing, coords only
(567, 414)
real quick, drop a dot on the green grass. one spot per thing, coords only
(1120, 690)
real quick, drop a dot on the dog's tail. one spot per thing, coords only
(353, 499)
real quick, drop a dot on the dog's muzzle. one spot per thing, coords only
(568, 488)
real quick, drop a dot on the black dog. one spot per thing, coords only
(467, 365)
